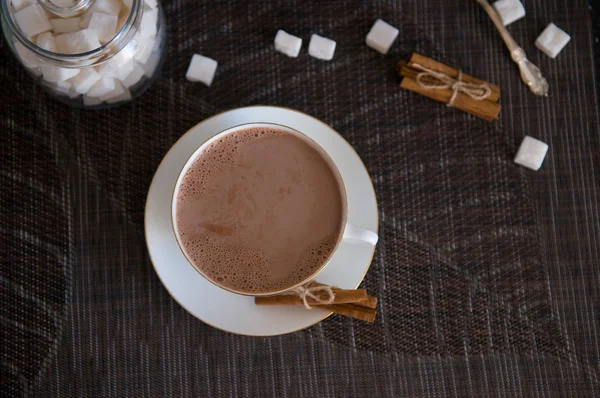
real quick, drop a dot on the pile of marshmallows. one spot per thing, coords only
(110, 81)
(382, 35)
(532, 151)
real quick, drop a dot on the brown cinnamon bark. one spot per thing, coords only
(487, 109)
(351, 310)
(341, 297)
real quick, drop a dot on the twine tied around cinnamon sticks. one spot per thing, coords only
(476, 91)
(308, 291)
(353, 303)
(451, 86)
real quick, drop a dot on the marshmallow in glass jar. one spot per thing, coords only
(88, 53)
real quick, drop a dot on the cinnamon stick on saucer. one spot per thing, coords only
(351, 310)
(353, 303)
(341, 297)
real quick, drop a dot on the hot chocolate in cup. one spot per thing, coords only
(260, 209)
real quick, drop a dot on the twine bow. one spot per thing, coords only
(443, 81)
(307, 291)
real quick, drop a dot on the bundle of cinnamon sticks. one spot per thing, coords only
(353, 303)
(487, 108)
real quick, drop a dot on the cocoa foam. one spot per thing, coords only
(259, 210)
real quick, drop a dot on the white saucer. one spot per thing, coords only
(228, 311)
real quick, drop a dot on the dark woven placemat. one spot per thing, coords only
(486, 273)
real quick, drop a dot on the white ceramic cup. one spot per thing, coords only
(351, 233)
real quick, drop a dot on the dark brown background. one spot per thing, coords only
(487, 273)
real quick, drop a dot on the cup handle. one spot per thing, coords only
(357, 234)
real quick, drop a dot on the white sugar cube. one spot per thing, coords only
(105, 70)
(381, 36)
(121, 22)
(552, 40)
(287, 44)
(27, 56)
(509, 10)
(101, 87)
(125, 70)
(135, 76)
(72, 93)
(152, 64)
(86, 17)
(62, 87)
(32, 20)
(68, 25)
(18, 5)
(108, 6)
(57, 74)
(64, 3)
(321, 47)
(91, 101)
(46, 41)
(117, 94)
(531, 153)
(77, 42)
(105, 26)
(123, 56)
(85, 80)
(144, 48)
(148, 25)
(201, 69)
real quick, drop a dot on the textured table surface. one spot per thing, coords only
(487, 273)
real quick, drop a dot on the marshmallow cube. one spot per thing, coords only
(381, 36)
(101, 87)
(531, 153)
(85, 80)
(18, 5)
(287, 44)
(105, 26)
(56, 74)
(201, 69)
(111, 7)
(32, 20)
(77, 42)
(135, 76)
(68, 25)
(46, 41)
(509, 11)
(552, 40)
(27, 56)
(321, 47)
(148, 25)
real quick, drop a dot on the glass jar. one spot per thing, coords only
(70, 66)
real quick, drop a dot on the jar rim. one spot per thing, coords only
(102, 53)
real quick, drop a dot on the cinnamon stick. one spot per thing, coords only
(341, 297)
(369, 302)
(429, 63)
(351, 310)
(487, 109)
(484, 109)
